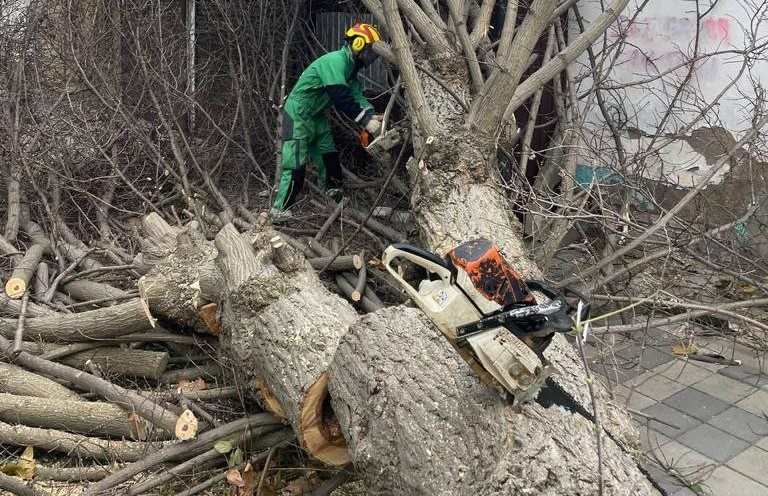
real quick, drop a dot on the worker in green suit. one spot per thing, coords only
(329, 80)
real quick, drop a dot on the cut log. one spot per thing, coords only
(25, 269)
(342, 262)
(207, 371)
(17, 486)
(84, 290)
(101, 323)
(111, 360)
(291, 324)
(71, 474)
(13, 307)
(75, 445)
(394, 373)
(83, 417)
(16, 380)
(125, 398)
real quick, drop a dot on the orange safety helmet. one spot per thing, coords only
(362, 35)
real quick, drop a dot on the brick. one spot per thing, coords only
(646, 357)
(656, 386)
(738, 372)
(756, 403)
(683, 371)
(724, 388)
(668, 414)
(697, 404)
(752, 462)
(741, 424)
(727, 482)
(713, 443)
(686, 461)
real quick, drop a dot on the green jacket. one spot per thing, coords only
(330, 80)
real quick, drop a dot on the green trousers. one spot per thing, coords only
(305, 138)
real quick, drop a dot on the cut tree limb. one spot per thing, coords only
(94, 324)
(147, 409)
(19, 281)
(262, 422)
(75, 445)
(122, 361)
(17, 486)
(16, 380)
(82, 417)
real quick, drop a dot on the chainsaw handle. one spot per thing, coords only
(424, 259)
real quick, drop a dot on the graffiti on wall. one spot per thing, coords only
(666, 45)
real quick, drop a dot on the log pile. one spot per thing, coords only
(309, 340)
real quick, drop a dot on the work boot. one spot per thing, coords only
(335, 194)
(277, 216)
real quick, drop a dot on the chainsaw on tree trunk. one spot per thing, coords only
(488, 313)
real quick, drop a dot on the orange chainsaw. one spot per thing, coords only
(488, 313)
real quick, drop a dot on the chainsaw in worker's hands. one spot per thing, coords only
(488, 313)
(379, 147)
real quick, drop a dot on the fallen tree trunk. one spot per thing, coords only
(393, 380)
(82, 417)
(101, 323)
(75, 445)
(16, 380)
(290, 324)
(470, 441)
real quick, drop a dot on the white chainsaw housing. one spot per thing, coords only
(514, 366)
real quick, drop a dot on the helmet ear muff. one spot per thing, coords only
(357, 44)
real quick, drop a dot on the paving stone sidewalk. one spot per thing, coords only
(704, 426)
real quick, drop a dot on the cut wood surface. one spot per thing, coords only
(75, 445)
(22, 274)
(16, 380)
(84, 417)
(101, 323)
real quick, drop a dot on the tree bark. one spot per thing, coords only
(147, 409)
(82, 417)
(75, 445)
(102, 323)
(19, 281)
(16, 380)
(396, 380)
(290, 325)
(122, 361)
(84, 290)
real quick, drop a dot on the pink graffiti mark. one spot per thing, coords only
(717, 29)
